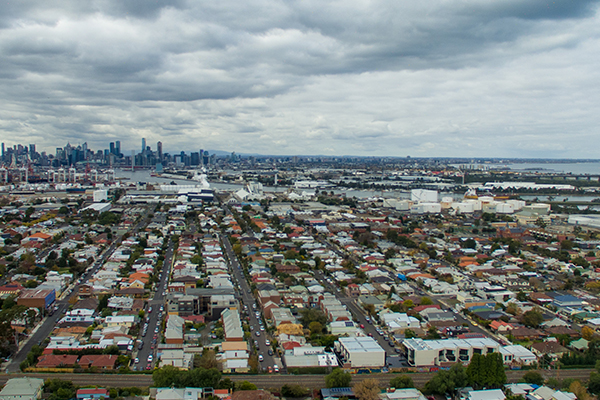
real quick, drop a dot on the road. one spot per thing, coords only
(247, 299)
(155, 317)
(274, 381)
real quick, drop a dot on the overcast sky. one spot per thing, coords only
(504, 78)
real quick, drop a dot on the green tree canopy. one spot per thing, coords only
(533, 377)
(338, 378)
(447, 381)
(533, 318)
(402, 382)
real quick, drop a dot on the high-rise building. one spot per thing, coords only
(111, 147)
(159, 151)
(143, 145)
(3, 150)
(118, 148)
(32, 149)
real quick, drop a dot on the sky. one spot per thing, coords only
(435, 78)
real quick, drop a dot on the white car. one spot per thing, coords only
(267, 342)
(150, 358)
(260, 357)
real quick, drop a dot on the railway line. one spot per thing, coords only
(266, 381)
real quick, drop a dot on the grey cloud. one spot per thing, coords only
(380, 76)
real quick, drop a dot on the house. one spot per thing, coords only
(500, 326)
(252, 395)
(22, 389)
(98, 361)
(550, 347)
(57, 361)
(523, 333)
(92, 393)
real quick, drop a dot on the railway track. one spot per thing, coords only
(274, 381)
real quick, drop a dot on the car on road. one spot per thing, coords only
(270, 352)
(362, 326)
(141, 346)
(261, 358)
(262, 328)
(150, 358)
(267, 342)
(257, 333)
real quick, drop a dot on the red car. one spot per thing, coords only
(362, 326)
(270, 370)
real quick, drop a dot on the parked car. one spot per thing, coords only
(261, 358)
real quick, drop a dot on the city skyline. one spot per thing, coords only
(444, 79)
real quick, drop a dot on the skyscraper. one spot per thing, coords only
(118, 148)
(159, 151)
(111, 147)
(143, 145)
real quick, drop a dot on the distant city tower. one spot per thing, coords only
(143, 144)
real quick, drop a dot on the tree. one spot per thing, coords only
(513, 309)
(409, 334)
(315, 327)
(533, 377)
(594, 383)
(207, 360)
(447, 381)
(245, 385)
(368, 389)
(426, 301)
(533, 318)
(402, 382)
(338, 378)
(522, 296)
(311, 314)
(486, 371)
(579, 390)
(293, 391)
(587, 333)
(566, 245)
(432, 333)
(197, 259)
